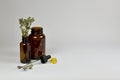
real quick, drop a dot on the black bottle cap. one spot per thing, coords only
(44, 58)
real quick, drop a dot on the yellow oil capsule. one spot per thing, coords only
(53, 60)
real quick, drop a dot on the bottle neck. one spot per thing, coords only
(37, 32)
(24, 39)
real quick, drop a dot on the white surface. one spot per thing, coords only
(84, 30)
(85, 62)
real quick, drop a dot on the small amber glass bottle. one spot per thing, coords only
(25, 56)
(37, 42)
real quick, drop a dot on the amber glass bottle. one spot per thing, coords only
(37, 42)
(25, 56)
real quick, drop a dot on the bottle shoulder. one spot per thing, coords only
(36, 36)
(24, 44)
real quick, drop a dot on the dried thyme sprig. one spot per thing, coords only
(25, 25)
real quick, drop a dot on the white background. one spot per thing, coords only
(83, 34)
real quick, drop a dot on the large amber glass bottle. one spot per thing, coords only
(25, 56)
(37, 42)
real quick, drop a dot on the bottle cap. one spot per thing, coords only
(37, 29)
